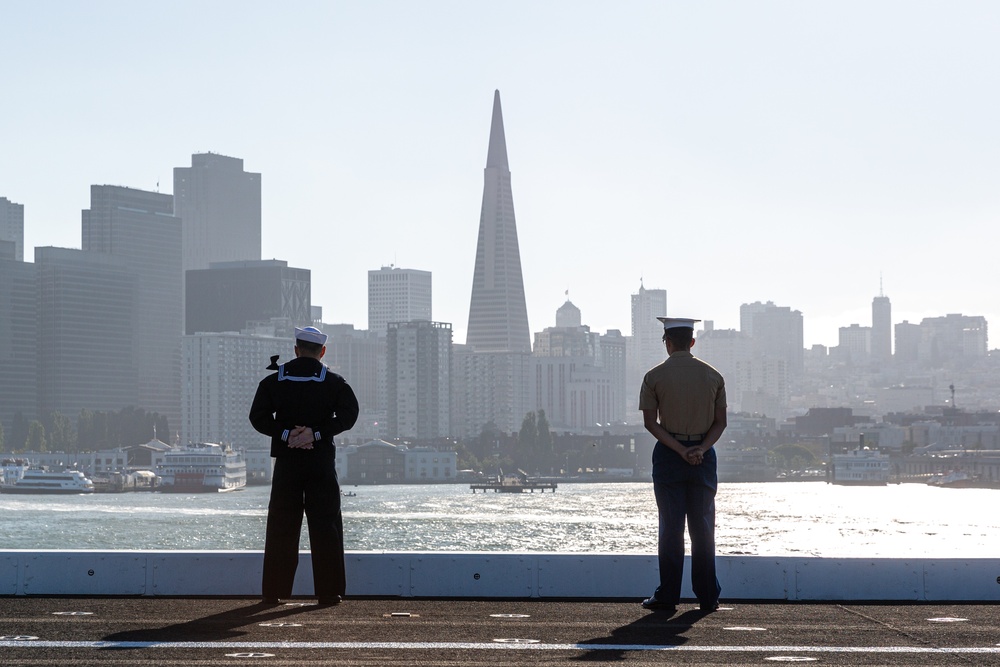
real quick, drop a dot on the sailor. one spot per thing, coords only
(301, 407)
(683, 404)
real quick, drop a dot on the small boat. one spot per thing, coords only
(43, 480)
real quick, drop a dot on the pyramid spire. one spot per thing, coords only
(497, 155)
(498, 318)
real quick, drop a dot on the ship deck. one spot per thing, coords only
(378, 631)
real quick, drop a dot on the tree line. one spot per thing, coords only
(94, 430)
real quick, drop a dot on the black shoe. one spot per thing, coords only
(653, 604)
(326, 602)
(708, 608)
(270, 601)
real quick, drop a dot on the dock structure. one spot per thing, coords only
(519, 487)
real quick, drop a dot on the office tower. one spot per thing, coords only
(139, 230)
(881, 329)
(647, 332)
(952, 337)
(18, 343)
(418, 374)
(776, 332)
(855, 344)
(578, 375)
(87, 316)
(221, 372)
(359, 355)
(219, 207)
(397, 295)
(498, 316)
(489, 390)
(229, 296)
(12, 226)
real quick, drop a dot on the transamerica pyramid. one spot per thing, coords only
(498, 316)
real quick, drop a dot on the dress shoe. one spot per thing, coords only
(712, 606)
(270, 601)
(326, 602)
(653, 604)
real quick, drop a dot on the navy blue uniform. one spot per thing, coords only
(304, 392)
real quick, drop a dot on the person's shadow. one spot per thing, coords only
(223, 625)
(653, 629)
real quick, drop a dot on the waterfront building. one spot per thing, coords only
(397, 295)
(12, 226)
(138, 229)
(18, 341)
(229, 296)
(219, 206)
(418, 378)
(221, 371)
(498, 315)
(87, 313)
(380, 462)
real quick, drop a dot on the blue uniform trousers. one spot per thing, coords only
(685, 491)
(305, 481)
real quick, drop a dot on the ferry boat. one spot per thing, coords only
(202, 467)
(861, 467)
(42, 480)
(12, 470)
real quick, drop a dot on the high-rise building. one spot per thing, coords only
(881, 329)
(12, 226)
(87, 313)
(221, 372)
(644, 348)
(18, 343)
(418, 374)
(498, 315)
(489, 389)
(578, 375)
(397, 295)
(219, 206)
(776, 332)
(229, 296)
(139, 230)
(855, 344)
(358, 355)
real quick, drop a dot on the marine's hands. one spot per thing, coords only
(695, 455)
(301, 437)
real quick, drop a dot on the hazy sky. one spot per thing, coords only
(726, 152)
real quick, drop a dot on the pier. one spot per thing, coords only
(520, 487)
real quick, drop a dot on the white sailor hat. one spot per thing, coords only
(675, 322)
(310, 335)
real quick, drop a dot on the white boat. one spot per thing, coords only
(12, 470)
(41, 480)
(861, 467)
(202, 467)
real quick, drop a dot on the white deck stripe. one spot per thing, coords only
(494, 646)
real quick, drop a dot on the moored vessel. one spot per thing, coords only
(42, 480)
(202, 467)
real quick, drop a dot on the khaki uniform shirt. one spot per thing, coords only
(685, 391)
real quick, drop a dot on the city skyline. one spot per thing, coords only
(726, 153)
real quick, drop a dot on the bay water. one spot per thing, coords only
(764, 519)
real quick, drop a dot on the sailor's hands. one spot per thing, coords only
(301, 437)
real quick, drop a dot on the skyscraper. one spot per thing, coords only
(881, 328)
(498, 315)
(397, 295)
(219, 206)
(18, 343)
(419, 379)
(230, 295)
(12, 226)
(87, 305)
(139, 230)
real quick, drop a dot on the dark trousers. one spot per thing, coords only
(684, 491)
(306, 481)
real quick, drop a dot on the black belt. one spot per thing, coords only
(687, 437)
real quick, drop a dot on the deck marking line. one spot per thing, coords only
(503, 647)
